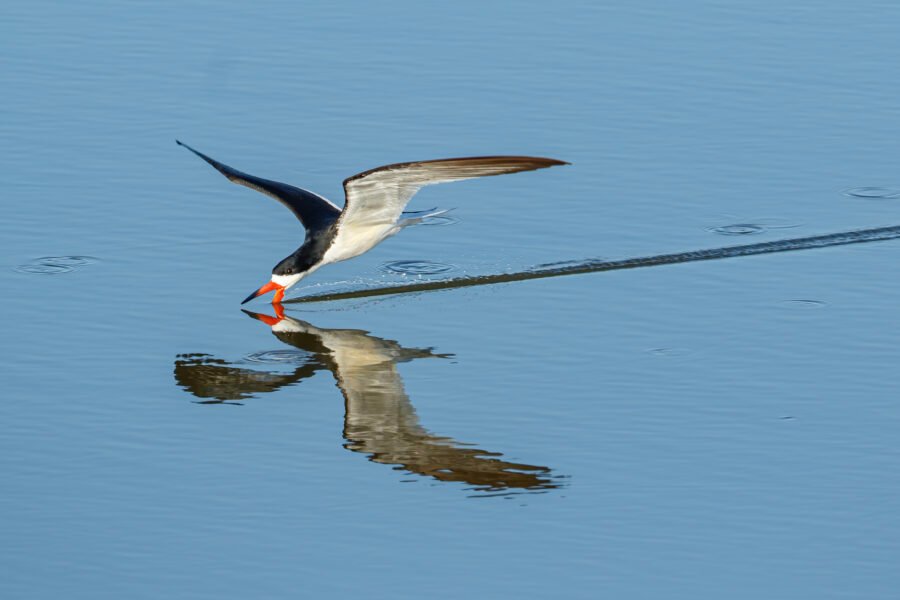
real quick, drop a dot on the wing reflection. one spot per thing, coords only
(379, 419)
(216, 381)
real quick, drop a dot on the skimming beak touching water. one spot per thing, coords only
(276, 299)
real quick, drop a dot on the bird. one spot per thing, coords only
(372, 212)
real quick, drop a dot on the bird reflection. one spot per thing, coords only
(379, 419)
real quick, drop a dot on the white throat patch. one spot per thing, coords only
(287, 281)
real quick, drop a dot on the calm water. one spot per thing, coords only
(703, 430)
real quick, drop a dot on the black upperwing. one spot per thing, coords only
(314, 211)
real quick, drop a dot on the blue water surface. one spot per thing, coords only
(703, 430)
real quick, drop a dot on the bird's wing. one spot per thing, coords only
(378, 196)
(313, 210)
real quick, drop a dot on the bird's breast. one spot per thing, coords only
(353, 240)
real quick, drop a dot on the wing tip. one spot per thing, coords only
(552, 162)
(527, 163)
(183, 145)
(224, 169)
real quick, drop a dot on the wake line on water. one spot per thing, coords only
(596, 265)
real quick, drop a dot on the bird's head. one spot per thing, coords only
(292, 269)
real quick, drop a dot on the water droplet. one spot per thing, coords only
(55, 265)
(873, 192)
(416, 267)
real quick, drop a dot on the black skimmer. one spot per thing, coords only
(380, 420)
(372, 211)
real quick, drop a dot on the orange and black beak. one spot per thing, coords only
(270, 321)
(279, 293)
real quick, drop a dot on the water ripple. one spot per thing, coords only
(842, 238)
(805, 304)
(738, 229)
(439, 221)
(753, 227)
(565, 263)
(872, 192)
(54, 265)
(670, 352)
(416, 267)
(279, 357)
(441, 218)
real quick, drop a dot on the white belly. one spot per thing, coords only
(354, 240)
